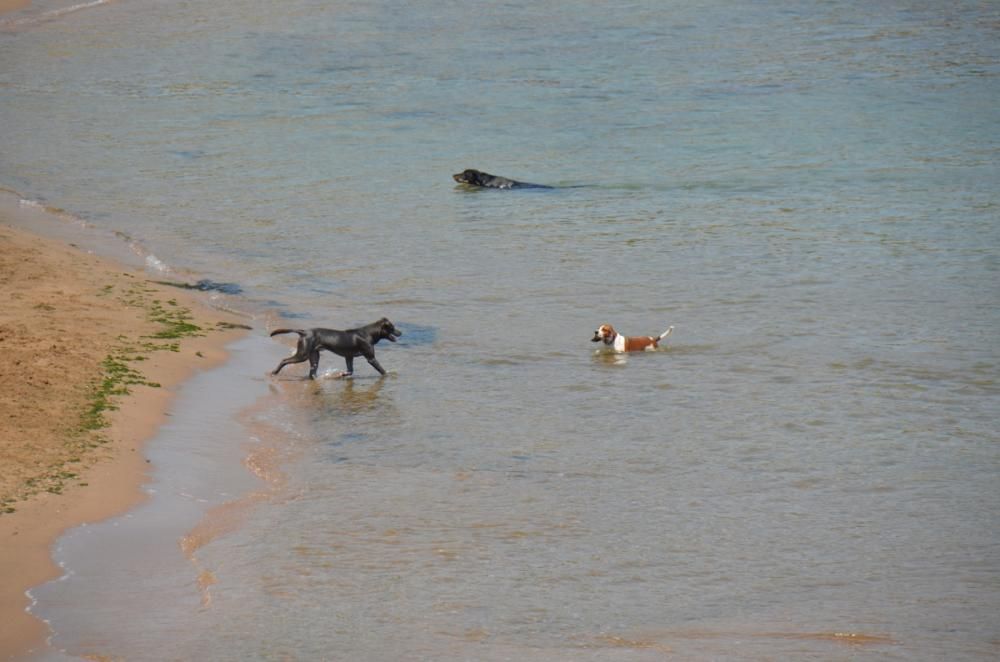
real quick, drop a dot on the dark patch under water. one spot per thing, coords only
(417, 334)
(205, 285)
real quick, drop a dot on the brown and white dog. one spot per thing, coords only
(606, 333)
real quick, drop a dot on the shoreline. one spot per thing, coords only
(72, 319)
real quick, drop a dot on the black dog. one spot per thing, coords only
(486, 180)
(350, 343)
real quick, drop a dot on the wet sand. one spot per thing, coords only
(75, 331)
(13, 5)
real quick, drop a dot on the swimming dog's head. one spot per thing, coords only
(605, 333)
(387, 330)
(471, 177)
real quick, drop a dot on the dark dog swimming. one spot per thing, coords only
(481, 179)
(349, 344)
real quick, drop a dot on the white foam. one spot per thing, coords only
(55, 212)
(49, 15)
(30, 204)
(153, 262)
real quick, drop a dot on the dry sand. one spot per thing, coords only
(74, 329)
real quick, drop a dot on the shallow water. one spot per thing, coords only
(806, 192)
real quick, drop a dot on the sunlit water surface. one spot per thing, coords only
(806, 191)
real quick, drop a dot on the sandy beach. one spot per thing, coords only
(90, 354)
(13, 5)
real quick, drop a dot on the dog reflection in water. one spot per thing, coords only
(347, 397)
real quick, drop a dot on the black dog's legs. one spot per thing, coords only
(313, 363)
(307, 350)
(295, 358)
(301, 354)
(374, 363)
(370, 356)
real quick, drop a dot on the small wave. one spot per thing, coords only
(156, 264)
(28, 21)
(151, 261)
(59, 212)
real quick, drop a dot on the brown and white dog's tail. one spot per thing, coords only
(278, 332)
(662, 335)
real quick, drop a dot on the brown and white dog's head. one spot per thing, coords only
(605, 333)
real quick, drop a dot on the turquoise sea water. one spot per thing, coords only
(805, 190)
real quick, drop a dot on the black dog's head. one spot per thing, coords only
(470, 177)
(387, 330)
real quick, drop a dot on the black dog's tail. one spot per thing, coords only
(277, 332)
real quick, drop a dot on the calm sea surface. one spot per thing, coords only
(807, 191)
